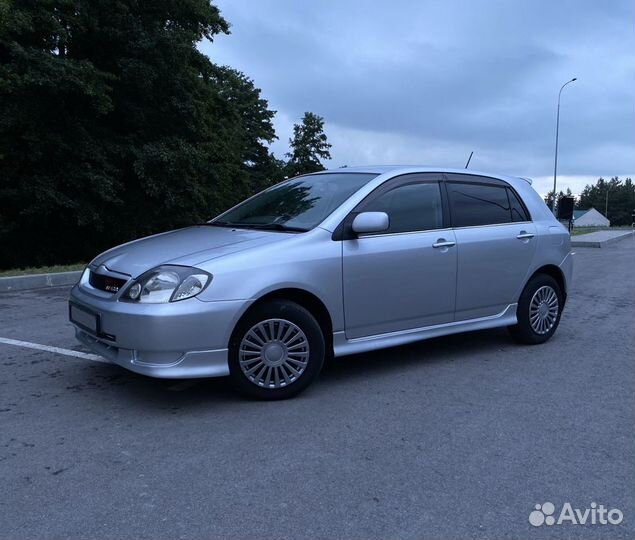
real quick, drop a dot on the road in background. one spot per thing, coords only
(457, 437)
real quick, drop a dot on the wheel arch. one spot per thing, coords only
(304, 298)
(556, 273)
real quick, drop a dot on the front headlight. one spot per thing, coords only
(167, 284)
(83, 280)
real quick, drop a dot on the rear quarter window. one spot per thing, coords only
(519, 212)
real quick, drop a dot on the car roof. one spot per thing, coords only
(405, 169)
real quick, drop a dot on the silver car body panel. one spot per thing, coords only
(343, 346)
(187, 247)
(492, 264)
(379, 291)
(396, 282)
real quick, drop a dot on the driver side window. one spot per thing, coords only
(410, 207)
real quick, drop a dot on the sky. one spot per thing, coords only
(427, 82)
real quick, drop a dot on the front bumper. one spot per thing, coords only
(186, 339)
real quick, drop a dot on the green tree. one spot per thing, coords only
(251, 118)
(615, 198)
(309, 146)
(113, 125)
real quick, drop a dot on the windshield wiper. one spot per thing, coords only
(271, 227)
(258, 226)
(217, 224)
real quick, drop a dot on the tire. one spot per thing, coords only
(541, 301)
(276, 351)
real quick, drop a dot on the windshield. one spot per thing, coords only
(297, 204)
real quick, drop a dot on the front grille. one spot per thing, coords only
(105, 283)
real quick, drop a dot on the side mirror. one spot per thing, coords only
(371, 222)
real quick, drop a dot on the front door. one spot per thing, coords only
(405, 277)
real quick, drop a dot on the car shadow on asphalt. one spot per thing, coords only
(174, 394)
(447, 349)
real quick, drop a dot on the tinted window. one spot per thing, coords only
(411, 207)
(518, 210)
(300, 203)
(474, 204)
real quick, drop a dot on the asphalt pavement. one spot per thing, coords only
(457, 437)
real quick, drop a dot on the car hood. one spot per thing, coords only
(186, 247)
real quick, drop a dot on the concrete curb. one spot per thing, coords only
(597, 243)
(38, 281)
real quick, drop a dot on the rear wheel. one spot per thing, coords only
(276, 351)
(539, 309)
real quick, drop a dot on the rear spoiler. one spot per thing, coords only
(528, 180)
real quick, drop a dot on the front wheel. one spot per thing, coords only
(276, 351)
(539, 309)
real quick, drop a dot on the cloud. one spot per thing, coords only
(427, 82)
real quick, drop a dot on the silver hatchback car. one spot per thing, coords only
(328, 264)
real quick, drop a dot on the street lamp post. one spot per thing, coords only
(555, 161)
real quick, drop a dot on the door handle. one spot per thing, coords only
(441, 243)
(525, 235)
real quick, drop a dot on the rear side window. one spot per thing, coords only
(478, 204)
(518, 210)
(411, 207)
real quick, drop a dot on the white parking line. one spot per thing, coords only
(56, 350)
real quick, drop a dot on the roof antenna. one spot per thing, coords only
(469, 159)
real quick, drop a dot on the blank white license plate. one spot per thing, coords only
(84, 318)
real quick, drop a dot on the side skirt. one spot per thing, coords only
(343, 346)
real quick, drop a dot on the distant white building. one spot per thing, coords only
(589, 218)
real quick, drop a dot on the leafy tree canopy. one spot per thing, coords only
(113, 125)
(614, 197)
(309, 146)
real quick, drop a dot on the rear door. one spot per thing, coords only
(405, 277)
(495, 244)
